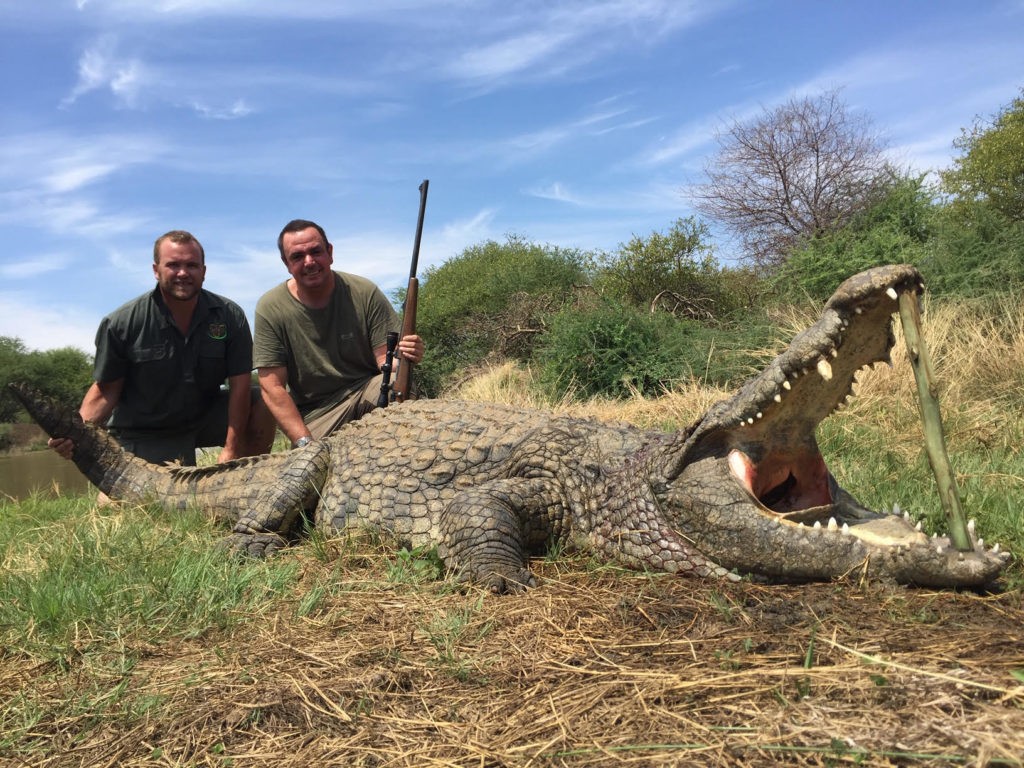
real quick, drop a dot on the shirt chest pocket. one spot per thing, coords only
(211, 364)
(151, 354)
(153, 370)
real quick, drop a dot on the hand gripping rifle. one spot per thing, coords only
(403, 379)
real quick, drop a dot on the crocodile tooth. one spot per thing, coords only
(760, 415)
(995, 548)
(859, 310)
(824, 369)
(918, 526)
(786, 385)
(981, 543)
(960, 556)
(906, 515)
(817, 525)
(891, 292)
(750, 420)
(895, 509)
(940, 549)
(970, 526)
(777, 398)
(834, 352)
(845, 530)
(832, 524)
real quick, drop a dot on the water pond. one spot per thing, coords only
(22, 474)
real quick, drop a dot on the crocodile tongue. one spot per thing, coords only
(797, 489)
(789, 485)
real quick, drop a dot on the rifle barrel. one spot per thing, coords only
(403, 380)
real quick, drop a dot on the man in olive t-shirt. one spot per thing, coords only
(320, 339)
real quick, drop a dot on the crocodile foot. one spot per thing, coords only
(499, 580)
(255, 544)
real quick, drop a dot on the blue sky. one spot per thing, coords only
(575, 123)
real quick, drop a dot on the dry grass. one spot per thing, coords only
(979, 361)
(594, 667)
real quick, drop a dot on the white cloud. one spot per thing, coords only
(46, 325)
(690, 141)
(69, 175)
(508, 56)
(232, 112)
(30, 269)
(459, 234)
(100, 66)
(555, 191)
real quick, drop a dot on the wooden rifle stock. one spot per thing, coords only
(403, 379)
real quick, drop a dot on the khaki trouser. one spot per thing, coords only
(353, 407)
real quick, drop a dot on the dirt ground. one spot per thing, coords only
(594, 667)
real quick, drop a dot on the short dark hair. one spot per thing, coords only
(179, 237)
(297, 225)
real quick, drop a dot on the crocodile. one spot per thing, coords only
(743, 490)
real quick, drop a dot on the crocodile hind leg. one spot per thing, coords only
(489, 531)
(267, 524)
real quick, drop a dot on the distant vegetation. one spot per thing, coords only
(63, 374)
(662, 310)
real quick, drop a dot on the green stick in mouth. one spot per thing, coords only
(935, 441)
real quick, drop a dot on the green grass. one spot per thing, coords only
(882, 471)
(76, 578)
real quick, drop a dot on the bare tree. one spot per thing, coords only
(800, 169)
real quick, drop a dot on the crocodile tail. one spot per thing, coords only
(97, 454)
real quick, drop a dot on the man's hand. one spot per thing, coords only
(63, 446)
(411, 348)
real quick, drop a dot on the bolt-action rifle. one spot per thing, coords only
(402, 389)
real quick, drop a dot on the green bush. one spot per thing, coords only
(991, 168)
(63, 374)
(614, 350)
(895, 230)
(975, 251)
(674, 272)
(491, 300)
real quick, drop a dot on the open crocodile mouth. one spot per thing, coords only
(801, 492)
(770, 445)
(772, 453)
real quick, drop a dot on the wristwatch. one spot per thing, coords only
(302, 441)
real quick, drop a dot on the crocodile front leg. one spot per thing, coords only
(488, 531)
(265, 526)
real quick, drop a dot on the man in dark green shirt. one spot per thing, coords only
(161, 360)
